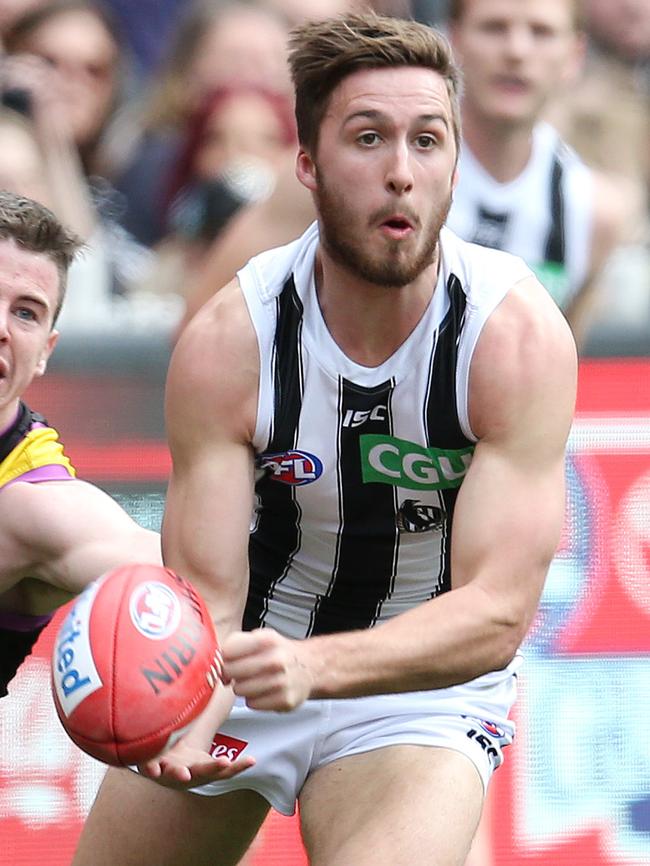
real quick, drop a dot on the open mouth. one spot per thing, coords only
(397, 223)
(397, 226)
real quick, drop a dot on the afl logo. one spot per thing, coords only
(155, 610)
(291, 467)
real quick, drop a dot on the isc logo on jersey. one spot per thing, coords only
(73, 667)
(388, 460)
(291, 467)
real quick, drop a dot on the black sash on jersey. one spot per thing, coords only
(555, 243)
(17, 432)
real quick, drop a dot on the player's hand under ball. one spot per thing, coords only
(185, 766)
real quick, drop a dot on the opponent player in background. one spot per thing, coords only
(389, 406)
(521, 188)
(57, 533)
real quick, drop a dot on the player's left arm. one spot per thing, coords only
(506, 528)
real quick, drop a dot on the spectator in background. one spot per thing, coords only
(218, 42)
(38, 162)
(80, 44)
(606, 117)
(230, 156)
(62, 79)
(520, 188)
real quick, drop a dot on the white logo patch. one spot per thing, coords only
(73, 667)
(155, 610)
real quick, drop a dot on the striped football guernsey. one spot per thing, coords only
(543, 215)
(358, 467)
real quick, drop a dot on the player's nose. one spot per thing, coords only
(4, 322)
(399, 173)
(518, 42)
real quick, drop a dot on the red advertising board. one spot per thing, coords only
(574, 790)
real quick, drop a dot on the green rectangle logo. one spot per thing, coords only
(387, 460)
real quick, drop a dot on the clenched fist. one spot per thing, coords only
(270, 671)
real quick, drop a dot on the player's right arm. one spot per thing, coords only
(211, 406)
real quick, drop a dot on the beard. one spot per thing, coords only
(400, 263)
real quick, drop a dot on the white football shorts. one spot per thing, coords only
(471, 718)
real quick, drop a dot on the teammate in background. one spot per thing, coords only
(391, 405)
(520, 188)
(56, 533)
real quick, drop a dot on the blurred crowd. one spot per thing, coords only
(162, 132)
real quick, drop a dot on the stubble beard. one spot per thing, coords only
(396, 268)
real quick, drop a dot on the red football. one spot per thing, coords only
(135, 661)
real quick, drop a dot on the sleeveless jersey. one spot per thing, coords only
(358, 467)
(544, 215)
(29, 451)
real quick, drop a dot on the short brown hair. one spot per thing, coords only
(323, 53)
(456, 8)
(35, 228)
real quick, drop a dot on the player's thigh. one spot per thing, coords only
(135, 822)
(396, 806)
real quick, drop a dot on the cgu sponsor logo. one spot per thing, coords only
(74, 674)
(388, 460)
(355, 418)
(155, 610)
(291, 467)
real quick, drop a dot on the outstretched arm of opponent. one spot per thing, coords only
(507, 524)
(58, 536)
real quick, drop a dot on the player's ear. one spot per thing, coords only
(306, 170)
(41, 367)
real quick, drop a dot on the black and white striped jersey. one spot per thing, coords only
(544, 215)
(359, 468)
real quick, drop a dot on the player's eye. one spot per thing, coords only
(542, 31)
(26, 314)
(368, 138)
(426, 141)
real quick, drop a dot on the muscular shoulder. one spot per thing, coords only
(214, 370)
(523, 374)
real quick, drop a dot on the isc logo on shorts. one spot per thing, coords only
(230, 747)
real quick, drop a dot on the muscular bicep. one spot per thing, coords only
(211, 401)
(507, 525)
(510, 508)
